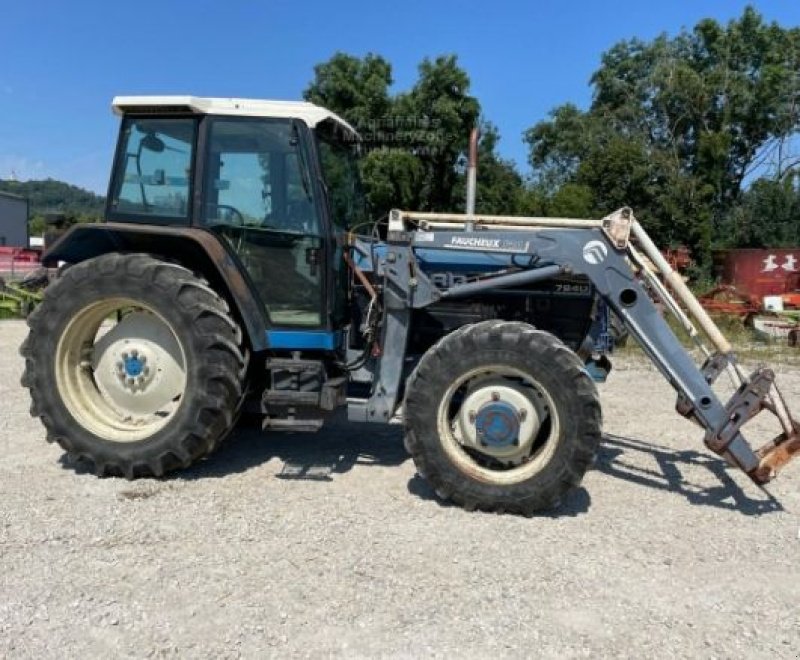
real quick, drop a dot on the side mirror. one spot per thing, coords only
(152, 143)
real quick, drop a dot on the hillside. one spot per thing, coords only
(49, 195)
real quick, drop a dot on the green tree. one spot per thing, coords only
(51, 196)
(439, 115)
(677, 126)
(769, 215)
(393, 179)
(415, 140)
(355, 89)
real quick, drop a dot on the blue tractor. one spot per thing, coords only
(237, 272)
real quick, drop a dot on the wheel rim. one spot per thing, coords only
(498, 424)
(122, 380)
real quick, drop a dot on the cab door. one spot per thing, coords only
(258, 194)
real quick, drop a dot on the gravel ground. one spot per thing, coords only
(664, 552)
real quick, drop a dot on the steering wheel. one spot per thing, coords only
(235, 213)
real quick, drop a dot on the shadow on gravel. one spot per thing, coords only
(337, 448)
(576, 502)
(615, 450)
(341, 445)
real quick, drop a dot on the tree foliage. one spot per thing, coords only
(414, 140)
(768, 217)
(677, 129)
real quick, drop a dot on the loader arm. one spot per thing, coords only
(602, 251)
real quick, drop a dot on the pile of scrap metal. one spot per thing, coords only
(18, 299)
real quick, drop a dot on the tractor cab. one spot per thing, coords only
(278, 181)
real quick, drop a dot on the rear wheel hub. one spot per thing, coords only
(122, 380)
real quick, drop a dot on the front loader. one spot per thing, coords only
(230, 277)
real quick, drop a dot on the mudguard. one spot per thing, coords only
(193, 247)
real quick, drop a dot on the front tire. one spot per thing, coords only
(500, 416)
(134, 365)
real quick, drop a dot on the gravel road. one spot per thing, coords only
(664, 552)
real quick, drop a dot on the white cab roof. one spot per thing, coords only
(308, 112)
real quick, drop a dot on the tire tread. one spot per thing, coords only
(215, 333)
(445, 356)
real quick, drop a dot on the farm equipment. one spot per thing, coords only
(776, 326)
(727, 300)
(784, 321)
(229, 277)
(768, 321)
(17, 299)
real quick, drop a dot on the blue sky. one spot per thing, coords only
(62, 62)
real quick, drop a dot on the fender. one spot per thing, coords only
(195, 248)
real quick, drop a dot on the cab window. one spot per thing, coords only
(339, 154)
(153, 174)
(256, 177)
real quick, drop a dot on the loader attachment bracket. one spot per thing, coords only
(745, 404)
(617, 227)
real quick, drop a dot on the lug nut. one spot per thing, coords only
(523, 414)
(495, 396)
(472, 416)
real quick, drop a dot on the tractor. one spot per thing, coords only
(237, 273)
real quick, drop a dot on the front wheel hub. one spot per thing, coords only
(497, 424)
(500, 418)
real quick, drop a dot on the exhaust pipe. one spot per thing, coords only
(472, 173)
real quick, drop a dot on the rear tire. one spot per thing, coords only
(509, 366)
(76, 396)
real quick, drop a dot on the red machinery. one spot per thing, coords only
(16, 263)
(791, 299)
